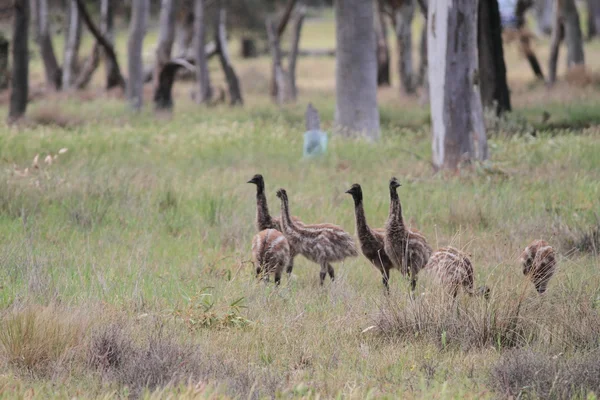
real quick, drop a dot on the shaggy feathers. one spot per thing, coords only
(321, 243)
(407, 249)
(453, 269)
(539, 263)
(271, 253)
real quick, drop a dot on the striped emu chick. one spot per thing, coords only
(271, 253)
(407, 249)
(453, 269)
(371, 240)
(264, 219)
(539, 263)
(322, 243)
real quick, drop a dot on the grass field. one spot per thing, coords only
(124, 263)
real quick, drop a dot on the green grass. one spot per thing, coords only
(143, 228)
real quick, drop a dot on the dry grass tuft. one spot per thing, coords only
(36, 339)
(53, 115)
(523, 373)
(581, 239)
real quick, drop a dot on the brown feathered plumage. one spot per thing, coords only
(371, 240)
(271, 253)
(322, 243)
(453, 269)
(539, 263)
(407, 248)
(264, 220)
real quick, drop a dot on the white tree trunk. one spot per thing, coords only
(203, 91)
(456, 111)
(356, 69)
(573, 35)
(166, 36)
(543, 16)
(137, 31)
(73, 36)
(44, 39)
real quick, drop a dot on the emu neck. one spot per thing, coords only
(286, 221)
(361, 221)
(263, 218)
(395, 206)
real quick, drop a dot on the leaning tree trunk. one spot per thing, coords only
(383, 51)
(456, 111)
(4, 64)
(403, 16)
(203, 92)
(73, 39)
(573, 35)
(44, 39)
(294, 50)
(356, 69)
(20, 53)
(112, 71)
(492, 69)
(235, 93)
(137, 31)
(166, 36)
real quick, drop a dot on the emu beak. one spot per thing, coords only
(348, 191)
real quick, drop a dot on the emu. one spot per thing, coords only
(322, 243)
(271, 253)
(539, 264)
(407, 249)
(453, 269)
(371, 240)
(264, 219)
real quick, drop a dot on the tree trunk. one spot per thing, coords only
(163, 98)
(356, 69)
(111, 68)
(403, 16)
(573, 35)
(203, 89)
(106, 46)
(294, 51)
(4, 64)
(492, 69)
(456, 111)
(20, 51)
(557, 34)
(72, 41)
(235, 93)
(423, 55)
(544, 16)
(44, 39)
(383, 52)
(185, 34)
(280, 80)
(166, 36)
(137, 31)
(89, 67)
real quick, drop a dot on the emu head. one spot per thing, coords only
(394, 183)
(258, 181)
(356, 192)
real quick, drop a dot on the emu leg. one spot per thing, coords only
(290, 266)
(331, 272)
(277, 278)
(323, 273)
(386, 279)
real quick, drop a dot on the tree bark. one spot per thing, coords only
(166, 36)
(492, 69)
(280, 80)
(163, 98)
(203, 92)
(573, 35)
(383, 51)
(544, 16)
(423, 55)
(456, 111)
(104, 42)
(403, 16)
(20, 51)
(137, 31)
(89, 67)
(294, 51)
(111, 67)
(557, 34)
(235, 93)
(44, 40)
(356, 69)
(4, 62)
(185, 34)
(72, 41)
(591, 20)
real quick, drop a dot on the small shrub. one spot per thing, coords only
(109, 348)
(523, 373)
(582, 239)
(201, 312)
